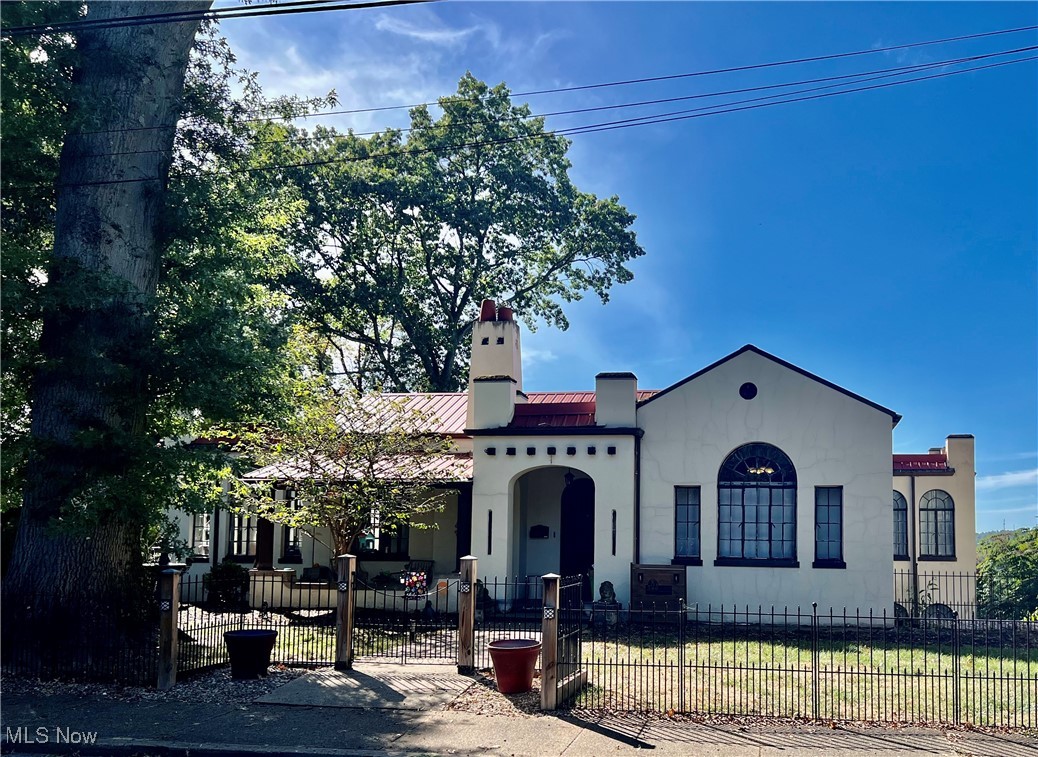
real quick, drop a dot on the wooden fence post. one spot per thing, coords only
(550, 643)
(346, 566)
(169, 605)
(467, 616)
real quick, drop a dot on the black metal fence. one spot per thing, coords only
(508, 608)
(303, 614)
(120, 645)
(405, 622)
(811, 664)
(964, 595)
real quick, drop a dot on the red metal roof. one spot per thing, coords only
(913, 463)
(554, 414)
(541, 397)
(445, 410)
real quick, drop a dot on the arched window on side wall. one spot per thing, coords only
(756, 496)
(900, 526)
(937, 526)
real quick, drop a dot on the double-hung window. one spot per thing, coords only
(686, 526)
(200, 528)
(243, 536)
(829, 527)
(291, 546)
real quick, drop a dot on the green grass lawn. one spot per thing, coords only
(856, 680)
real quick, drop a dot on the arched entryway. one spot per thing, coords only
(554, 526)
(577, 531)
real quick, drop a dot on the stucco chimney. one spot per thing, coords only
(495, 354)
(615, 397)
(959, 448)
(491, 401)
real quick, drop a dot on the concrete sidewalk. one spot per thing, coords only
(389, 711)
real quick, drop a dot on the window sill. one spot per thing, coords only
(937, 558)
(742, 562)
(687, 561)
(832, 564)
(901, 558)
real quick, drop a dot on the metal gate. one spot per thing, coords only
(571, 678)
(409, 621)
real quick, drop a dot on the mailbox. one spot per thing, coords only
(658, 587)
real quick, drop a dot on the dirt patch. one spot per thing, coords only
(216, 686)
(483, 698)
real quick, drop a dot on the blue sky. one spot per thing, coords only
(886, 240)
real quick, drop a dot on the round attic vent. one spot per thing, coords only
(748, 390)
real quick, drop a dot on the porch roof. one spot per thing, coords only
(446, 468)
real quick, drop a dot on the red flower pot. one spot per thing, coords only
(514, 660)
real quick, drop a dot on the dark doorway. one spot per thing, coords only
(577, 541)
(464, 526)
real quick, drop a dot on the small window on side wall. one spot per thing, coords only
(200, 528)
(936, 526)
(243, 537)
(686, 526)
(900, 526)
(829, 527)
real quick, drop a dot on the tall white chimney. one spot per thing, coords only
(495, 355)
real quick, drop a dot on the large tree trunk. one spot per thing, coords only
(90, 393)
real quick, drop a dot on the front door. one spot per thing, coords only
(577, 541)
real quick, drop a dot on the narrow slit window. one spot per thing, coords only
(614, 533)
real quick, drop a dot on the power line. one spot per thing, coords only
(679, 115)
(710, 72)
(667, 77)
(885, 73)
(91, 23)
(272, 9)
(585, 129)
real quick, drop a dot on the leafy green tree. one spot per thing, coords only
(351, 461)
(147, 319)
(404, 238)
(35, 82)
(1007, 574)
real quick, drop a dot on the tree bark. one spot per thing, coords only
(90, 398)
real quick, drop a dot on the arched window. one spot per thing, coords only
(900, 526)
(756, 496)
(937, 525)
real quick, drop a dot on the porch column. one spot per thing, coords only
(264, 544)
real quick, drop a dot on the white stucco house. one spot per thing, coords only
(749, 482)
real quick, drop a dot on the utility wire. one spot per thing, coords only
(272, 9)
(584, 129)
(87, 22)
(710, 72)
(667, 77)
(885, 73)
(677, 115)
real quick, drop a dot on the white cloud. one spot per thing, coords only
(442, 36)
(1032, 508)
(533, 355)
(1006, 480)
